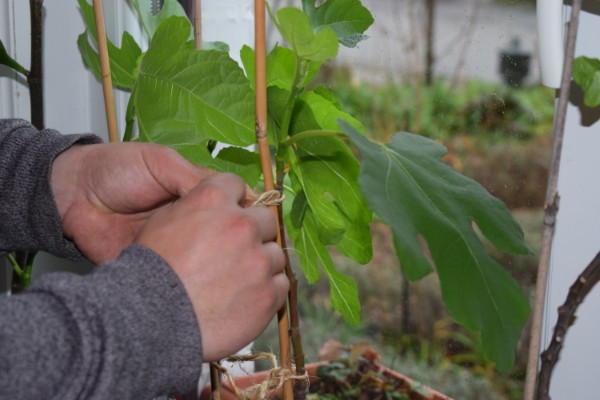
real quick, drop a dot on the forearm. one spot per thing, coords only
(29, 219)
(127, 330)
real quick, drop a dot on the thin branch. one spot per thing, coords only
(566, 317)
(35, 78)
(215, 380)
(198, 24)
(109, 101)
(552, 204)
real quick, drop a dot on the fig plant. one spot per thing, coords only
(190, 99)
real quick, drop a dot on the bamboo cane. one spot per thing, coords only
(265, 157)
(109, 101)
(551, 207)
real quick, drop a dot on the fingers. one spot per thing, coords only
(277, 257)
(219, 188)
(170, 170)
(267, 225)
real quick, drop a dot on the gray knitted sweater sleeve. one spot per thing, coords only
(125, 331)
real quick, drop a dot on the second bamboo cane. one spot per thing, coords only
(107, 88)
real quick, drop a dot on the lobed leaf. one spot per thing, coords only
(184, 97)
(411, 189)
(349, 19)
(327, 172)
(586, 72)
(312, 253)
(295, 28)
(123, 61)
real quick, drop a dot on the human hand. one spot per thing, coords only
(106, 192)
(226, 258)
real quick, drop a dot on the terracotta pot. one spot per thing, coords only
(416, 390)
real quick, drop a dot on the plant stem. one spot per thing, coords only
(429, 41)
(566, 316)
(215, 381)
(35, 79)
(301, 386)
(129, 118)
(15, 265)
(198, 24)
(552, 205)
(289, 106)
(267, 169)
(109, 101)
(28, 268)
(285, 140)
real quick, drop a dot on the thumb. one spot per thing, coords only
(173, 172)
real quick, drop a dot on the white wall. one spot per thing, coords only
(577, 240)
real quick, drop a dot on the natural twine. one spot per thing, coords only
(269, 198)
(276, 378)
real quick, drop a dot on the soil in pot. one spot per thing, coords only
(357, 375)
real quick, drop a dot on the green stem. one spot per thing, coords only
(10, 62)
(299, 73)
(28, 268)
(129, 119)
(311, 134)
(15, 265)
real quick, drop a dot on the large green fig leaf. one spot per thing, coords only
(185, 97)
(349, 19)
(418, 195)
(586, 72)
(312, 253)
(10, 62)
(295, 28)
(123, 61)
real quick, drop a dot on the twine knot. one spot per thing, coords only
(269, 198)
(276, 378)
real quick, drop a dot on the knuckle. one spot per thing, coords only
(210, 195)
(231, 180)
(244, 226)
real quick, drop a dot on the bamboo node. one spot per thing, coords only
(276, 377)
(270, 198)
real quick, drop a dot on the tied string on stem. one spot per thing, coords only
(276, 377)
(269, 198)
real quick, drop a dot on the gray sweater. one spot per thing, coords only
(125, 331)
